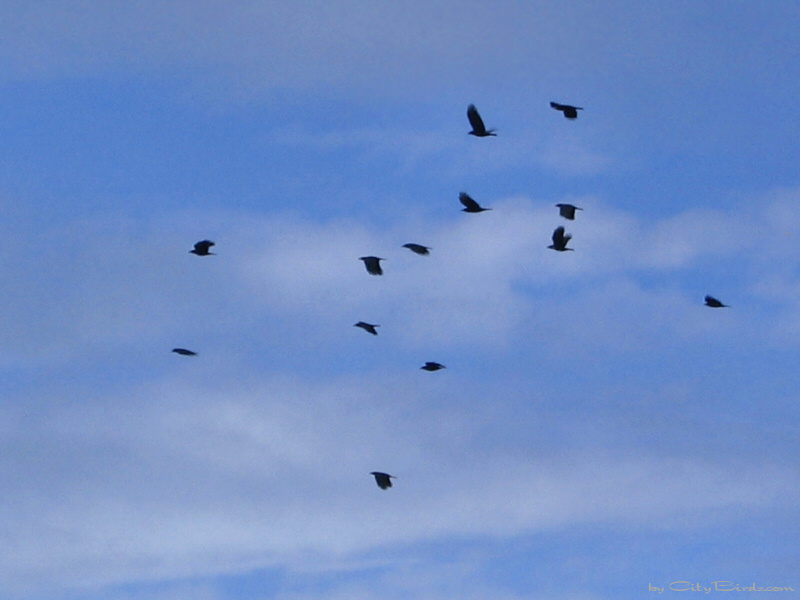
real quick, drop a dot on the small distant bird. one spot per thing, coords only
(418, 249)
(570, 112)
(714, 303)
(373, 264)
(567, 211)
(384, 480)
(202, 248)
(184, 352)
(560, 240)
(432, 366)
(470, 205)
(478, 128)
(367, 327)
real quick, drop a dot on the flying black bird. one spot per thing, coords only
(714, 303)
(570, 112)
(470, 204)
(418, 249)
(478, 128)
(373, 264)
(184, 352)
(201, 248)
(367, 327)
(560, 240)
(384, 480)
(432, 366)
(567, 211)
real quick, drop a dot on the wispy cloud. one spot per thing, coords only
(114, 282)
(206, 481)
(219, 469)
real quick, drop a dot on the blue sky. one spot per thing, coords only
(597, 430)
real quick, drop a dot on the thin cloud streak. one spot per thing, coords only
(268, 474)
(486, 272)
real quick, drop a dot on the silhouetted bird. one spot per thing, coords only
(470, 204)
(432, 366)
(478, 128)
(560, 240)
(384, 480)
(418, 249)
(373, 264)
(201, 248)
(570, 112)
(184, 352)
(567, 211)
(714, 303)
(367, 327)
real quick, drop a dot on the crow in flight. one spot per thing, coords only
(367, 327)
(478, 128)
(714, 303)
(384, 480)
(184, 352)
(432, 366)
(567, 211)
(373, 264)
(418, 249)
(201, 248)
(560, 240)
(470, 205)
(570, 112)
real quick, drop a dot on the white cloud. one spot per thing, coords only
(114, 283)
(234, 463)
(177, 481)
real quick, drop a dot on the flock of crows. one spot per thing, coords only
(373, 263)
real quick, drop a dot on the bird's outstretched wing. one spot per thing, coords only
(560, 240)
(567, 211)
(373, 264)
(384, 480)
(368, 327)
(432, 366)
(478, 128)
(714, 303)
(475, 120)
(202, 247)
(468, 202)
(570, 112)
(418, 249)
(184, 352)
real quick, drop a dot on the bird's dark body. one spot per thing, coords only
(567, 211)
(470, 206)
(184, 352)
(369, 327)
(714, 303)
(202, 248)
(384, 480)
(418, 249)
(560, 240)
(373, 264)
(432, 366)
(570, 112)
(478, 128)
